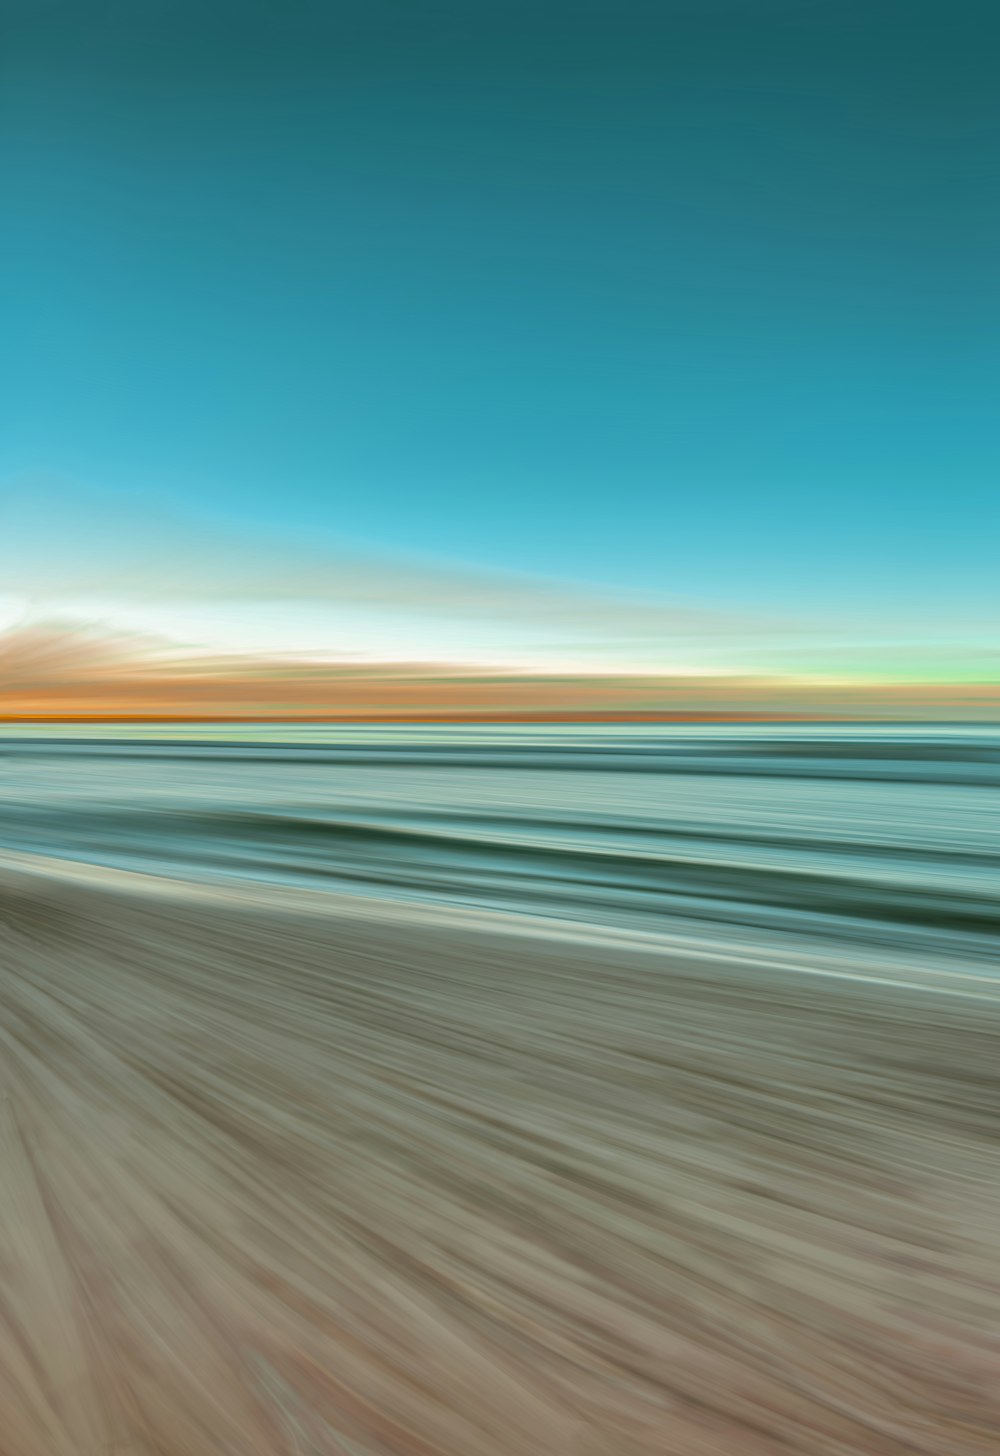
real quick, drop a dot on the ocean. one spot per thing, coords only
(837, 844)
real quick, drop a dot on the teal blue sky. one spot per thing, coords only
(693, 299)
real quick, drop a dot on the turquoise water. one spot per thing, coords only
(873, 841)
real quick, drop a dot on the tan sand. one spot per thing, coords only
(282, 1182)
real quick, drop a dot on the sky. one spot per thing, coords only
(658, 334)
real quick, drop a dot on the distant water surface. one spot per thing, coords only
(865, 842)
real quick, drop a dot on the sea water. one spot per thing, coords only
(867, 842)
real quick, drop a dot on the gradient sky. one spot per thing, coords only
(694, 300)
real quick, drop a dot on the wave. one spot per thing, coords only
(621, 873)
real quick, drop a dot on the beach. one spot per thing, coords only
(285, 1172)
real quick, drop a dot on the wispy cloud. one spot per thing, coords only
(60, 545)
(74, 671)
(141, 573)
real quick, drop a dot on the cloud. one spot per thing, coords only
(41, 654)
(66, 671)
(59, 543)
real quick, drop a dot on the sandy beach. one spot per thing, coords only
(277, 1177)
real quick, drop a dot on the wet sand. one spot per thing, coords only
(284, 1180)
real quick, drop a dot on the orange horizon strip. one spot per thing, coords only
(596, 716)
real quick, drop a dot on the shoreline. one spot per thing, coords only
(799, 958)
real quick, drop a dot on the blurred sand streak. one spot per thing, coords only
(283, 1181)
